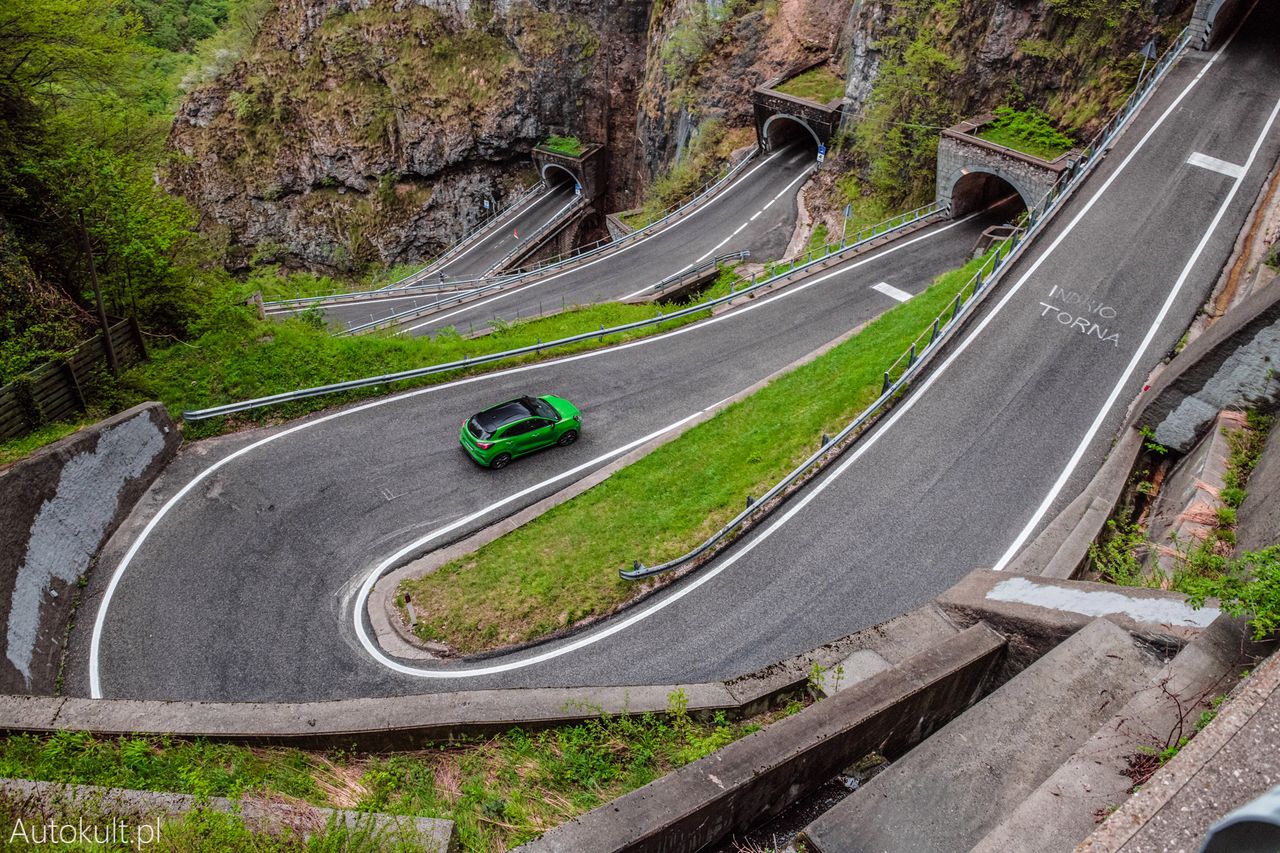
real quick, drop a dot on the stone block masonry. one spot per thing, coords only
(57, 507)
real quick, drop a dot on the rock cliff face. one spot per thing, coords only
(360, 131)
(705, 56)
(372, 131)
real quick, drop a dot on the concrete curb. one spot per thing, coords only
(94, 802)
(1063, 546)
(758, 776)
(396, 638)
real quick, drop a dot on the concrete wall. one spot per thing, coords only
(1232, 365)
(57, 507)
(1258, 521)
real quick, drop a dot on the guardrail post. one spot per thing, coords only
(911, 359)
(955, 311)
(887, 383)
(934, 336)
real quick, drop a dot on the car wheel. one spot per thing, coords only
(500, 461)
(568, 438)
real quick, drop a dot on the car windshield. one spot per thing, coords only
(491, 420)
(540, 408)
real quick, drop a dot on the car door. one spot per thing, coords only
(541, 434)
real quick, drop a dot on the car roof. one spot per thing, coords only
(496, 417)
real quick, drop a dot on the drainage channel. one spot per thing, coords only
(779, 834)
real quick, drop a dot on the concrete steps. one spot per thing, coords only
(1065, 808)
(957, 787)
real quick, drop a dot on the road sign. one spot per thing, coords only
(848, 210)
(1149, 49)
(577, 189)
(822, 153)
(486, 204)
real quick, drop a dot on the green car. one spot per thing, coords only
(499, 434)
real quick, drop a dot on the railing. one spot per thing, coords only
(697, 271)
(912, 361)
(580, 253)
(467, 238)
(280, 306)
(809, 258)
(540, 233)
(601, 333)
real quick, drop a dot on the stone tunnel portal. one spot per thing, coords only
(782, 129)
(975, 190)
(556, 175)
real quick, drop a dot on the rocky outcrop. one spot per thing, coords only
(359, 131)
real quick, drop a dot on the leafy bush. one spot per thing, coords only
(1246, 586)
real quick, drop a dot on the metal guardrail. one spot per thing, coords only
(469, 237)
(280, 306)
(911, 362)
(540, 233)
(578, 254)
(755, 284)
(698, 270)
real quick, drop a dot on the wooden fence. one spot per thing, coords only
(52, 391)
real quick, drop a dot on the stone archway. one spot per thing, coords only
(967, 190)
(770, 136)
(554, 174)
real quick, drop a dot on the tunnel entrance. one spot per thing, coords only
(556, 175)
(781, 130)
(980, 190)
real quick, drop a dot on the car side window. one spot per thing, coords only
(538, 424)
(519, 429)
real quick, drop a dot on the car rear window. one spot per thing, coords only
(491, 420)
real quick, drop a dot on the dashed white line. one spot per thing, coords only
(891, 291)
(717, 246)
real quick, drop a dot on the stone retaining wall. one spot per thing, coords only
(57, 507)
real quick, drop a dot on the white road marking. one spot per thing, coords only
(95, 646)
(737, 183)
(1137, 355)
(717, 246)
(1213, 164)
(536, 200)
(366, 587)
(891, 291)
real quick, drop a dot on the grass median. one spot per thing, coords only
(562, 567)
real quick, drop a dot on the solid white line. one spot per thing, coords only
(1067, 471)
(717, 246)
(366, 587)
(1213, 164)
(95, 646)
(891, 291)
(705, 206)
(496, 230)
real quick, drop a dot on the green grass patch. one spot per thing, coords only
(568, 145)
(821, 85)
(1028, 131)
(563, 566)
(244, 358)
(499, 791)
(251, 359)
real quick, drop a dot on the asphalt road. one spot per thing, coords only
(723, 224)
(510, 233)
(242, 591)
